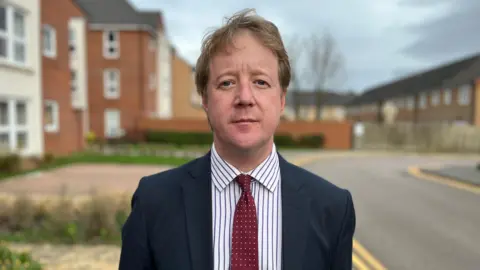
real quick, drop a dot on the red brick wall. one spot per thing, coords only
(56, 79)
(135, 63)
(338, 135)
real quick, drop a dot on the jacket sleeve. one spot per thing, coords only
(135, 251)
(342, 259)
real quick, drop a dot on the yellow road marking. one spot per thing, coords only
(358, 263)
(364, 258)
(367, 256)
(415, 171)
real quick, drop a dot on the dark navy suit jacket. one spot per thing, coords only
(170, 226)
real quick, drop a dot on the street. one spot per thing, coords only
(406, 222)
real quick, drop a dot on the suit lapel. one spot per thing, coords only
(295, 209)
(197, 199)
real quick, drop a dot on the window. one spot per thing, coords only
(51, 116)
(49, 41)
(13, 124)
(447, 96)
(71, 40)
(464, 93)
(112, 123)
(12, 34)
(422, 102)
(111, 44)
(152, 44)
(111, 83)
(73, 80)
(435, 98)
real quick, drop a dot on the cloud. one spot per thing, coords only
(369, 34)
(451, 35)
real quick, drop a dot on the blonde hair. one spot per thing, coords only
(266, 32)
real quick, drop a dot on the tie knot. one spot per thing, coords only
(244, 181)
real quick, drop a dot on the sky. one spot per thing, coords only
(380, 40)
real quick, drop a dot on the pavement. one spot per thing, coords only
(465, 173)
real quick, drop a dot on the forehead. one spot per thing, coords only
(245, 52)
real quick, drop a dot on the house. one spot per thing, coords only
(129, 69)
(449, 94)
(21, 125)
(304, 104)
(187, 103)
(64, 76)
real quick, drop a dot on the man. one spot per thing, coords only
(242, 205)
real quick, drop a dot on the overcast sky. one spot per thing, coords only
(379, 39)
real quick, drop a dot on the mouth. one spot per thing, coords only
(242, 121)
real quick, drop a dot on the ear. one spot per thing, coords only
(283, 100)
(205, 103)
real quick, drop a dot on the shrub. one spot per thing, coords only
(10, 163)
(98, 220)
(13, 260)
(206, 138)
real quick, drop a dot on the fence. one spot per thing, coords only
(419, 137)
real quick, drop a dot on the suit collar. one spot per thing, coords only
(197, 199)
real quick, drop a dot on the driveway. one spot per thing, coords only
(80, 179)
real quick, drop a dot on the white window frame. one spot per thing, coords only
(435, 98)
(464, 95)
(107, 44)
(10, 37)
(117, 133)
(447, 96)
(410, 103)
(49, 52)
(55, 126)
(12, 128)
(107, 83)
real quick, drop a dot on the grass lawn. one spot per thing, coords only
(98, 158)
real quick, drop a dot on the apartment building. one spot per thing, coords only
(186, 102)
(21, 125)
(64, 74)
(128, 67)
(449, 94)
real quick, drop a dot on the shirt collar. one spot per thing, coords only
(267, 173)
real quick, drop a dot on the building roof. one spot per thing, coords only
(118, 12)
(307, 98)
(448, 75)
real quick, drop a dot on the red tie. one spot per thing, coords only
(244, 235)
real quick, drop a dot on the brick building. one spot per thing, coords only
(449, 94)
(64, 78)
(123, 60)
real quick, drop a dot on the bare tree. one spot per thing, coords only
(296, 49)
(325, 64)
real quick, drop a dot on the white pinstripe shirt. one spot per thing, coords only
(266, 193)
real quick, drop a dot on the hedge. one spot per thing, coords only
(206, 138)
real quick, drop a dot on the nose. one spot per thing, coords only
(245, 95)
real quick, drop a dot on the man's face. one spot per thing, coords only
(244, 99)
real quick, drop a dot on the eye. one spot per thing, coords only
(225, 84)
(262, 83)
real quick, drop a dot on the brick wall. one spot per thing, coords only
(183, 85)
(136, 63)
(56, 80)
(338, 135)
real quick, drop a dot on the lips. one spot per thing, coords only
(244, 121)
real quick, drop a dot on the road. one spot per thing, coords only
(405, 222)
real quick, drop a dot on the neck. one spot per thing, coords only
(244, 159)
